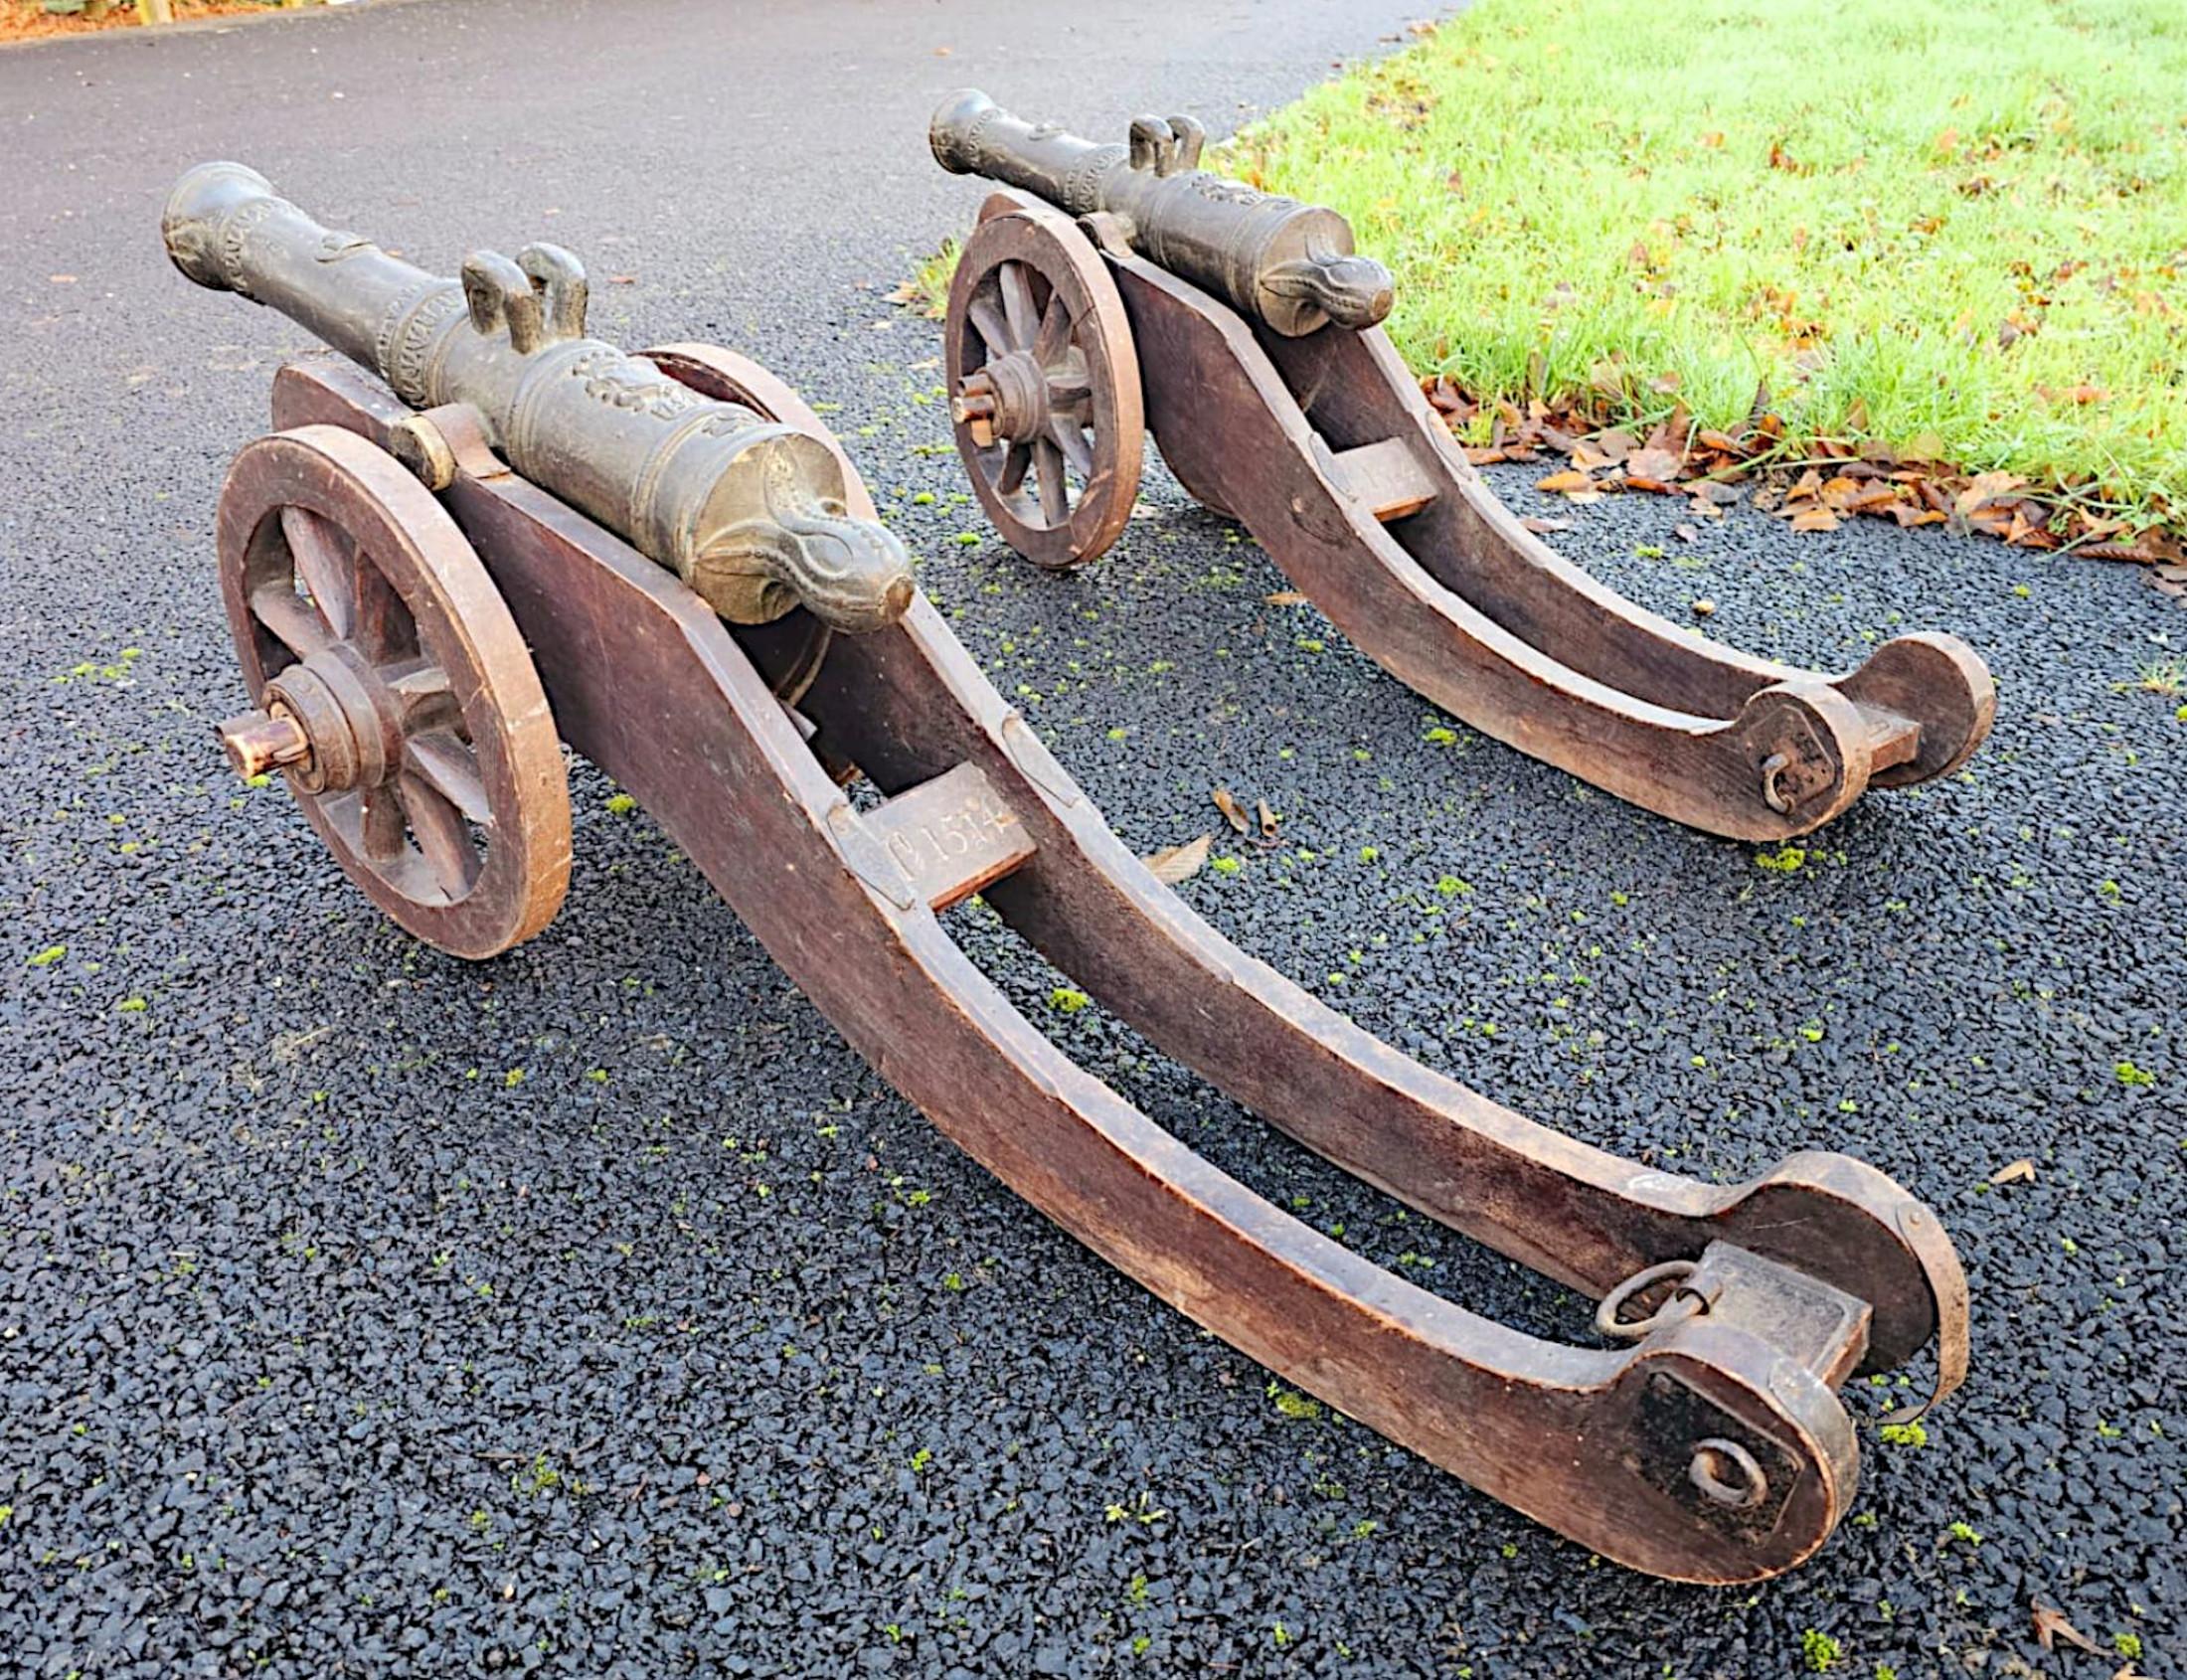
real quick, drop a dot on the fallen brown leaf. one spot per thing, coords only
(61, 279)
(1540, 525)
(1232, 812)
(1616, 443)
(1660, 465)
(1685, 533)
(1268, 819)
(622, 280)
(1984, 488)
(1173, 864)
(2021, 1171)
(1815, 519)
(1286, 597)
(2052, 1624)
(1566, 482)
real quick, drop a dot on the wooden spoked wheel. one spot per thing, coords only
(394, 688)
(1045, 385)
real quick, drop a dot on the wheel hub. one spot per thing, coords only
(1004, 400)
(329, 718)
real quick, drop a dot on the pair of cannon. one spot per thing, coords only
(517, 536)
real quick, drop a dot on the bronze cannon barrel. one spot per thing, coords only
(750, 513)
(1287, 263)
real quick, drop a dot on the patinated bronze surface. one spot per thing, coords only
(1702, 1440)
(1288, 264)
(750, 513)
(1317, 439)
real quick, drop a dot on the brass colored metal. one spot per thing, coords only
(749, 512)
(1286, 263)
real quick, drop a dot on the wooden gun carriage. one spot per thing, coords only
(1112, 290)
(421, 626)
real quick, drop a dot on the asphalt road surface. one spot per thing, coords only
(596, 1312)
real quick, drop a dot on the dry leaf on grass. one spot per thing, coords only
(2021, 1171)
(1984, 488)
(2052, 1624)
(1913, 484)
(1173, 864)
(1232, 812)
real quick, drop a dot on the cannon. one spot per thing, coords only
(1112, 291)
(466, 624)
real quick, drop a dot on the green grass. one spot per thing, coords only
(928, 290)
(1957, 229)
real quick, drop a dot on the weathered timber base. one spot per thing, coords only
(1322, 445)
(1712, 1448)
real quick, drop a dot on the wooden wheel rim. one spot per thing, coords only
(464, 842)
(1030, 282)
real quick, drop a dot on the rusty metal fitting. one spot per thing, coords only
(974, 408)
(1683, 1302)
(1007, 398)
(257, 742)
(1727, 1474)
(351, 721)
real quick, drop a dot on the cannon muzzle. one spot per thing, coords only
(749, 512)
(1288, 264)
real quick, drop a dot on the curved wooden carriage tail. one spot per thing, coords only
(1712, 1448)
(1319, 441)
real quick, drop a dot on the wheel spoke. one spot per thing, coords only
(1048, 463)
(295, 624)
(421, 690)
(1055, 330)
(1017, 303)
(993, 332)
(380, 624)
(381, 821)
(1077, 450)
(441, 836)
(1015, 460)
(323, 557)
(444, 765)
